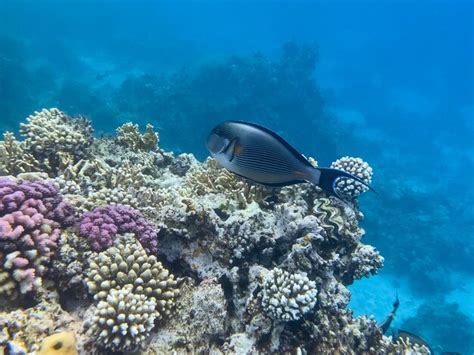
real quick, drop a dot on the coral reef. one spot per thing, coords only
(349, 188)
(102, 224)
(260, 269)
(31, 217)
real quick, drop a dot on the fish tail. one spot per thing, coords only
(328, 178)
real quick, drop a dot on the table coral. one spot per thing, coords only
(31, 217)
(101, 225)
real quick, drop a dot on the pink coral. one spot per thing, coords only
(31, 217)
(101, 225)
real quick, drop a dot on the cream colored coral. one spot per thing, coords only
(286, 296)
(350, 188)
(127, 263)
(210, 177)
(129, 135)
(124, 319)
(14, 157)
(55, 138)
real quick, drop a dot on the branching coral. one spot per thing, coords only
(31, 217)
(101, 225)
(14, 157)
(123, 320)
(56, 139)
(287, 296)
(350, 188)
(133, 289)
(212, 178)
(129, 135)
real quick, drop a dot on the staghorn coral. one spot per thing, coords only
(129, 135)
(101, 225)
(286, 296)
(31, 217)
(350, 188)
(123, 320)
(56, 139)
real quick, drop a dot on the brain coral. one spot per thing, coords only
(350, 188)
(287, 296)
(101, 225)
(31, 217)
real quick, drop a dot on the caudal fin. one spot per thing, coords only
(329, 177)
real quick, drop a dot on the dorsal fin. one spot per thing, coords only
(287, 145)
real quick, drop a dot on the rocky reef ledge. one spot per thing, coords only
(112, 244)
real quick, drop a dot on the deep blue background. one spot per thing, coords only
(393, 84)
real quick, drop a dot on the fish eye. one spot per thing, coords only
(216, 143)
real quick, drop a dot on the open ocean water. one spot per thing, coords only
(389, 81)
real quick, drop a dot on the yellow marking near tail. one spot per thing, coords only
(237, 149)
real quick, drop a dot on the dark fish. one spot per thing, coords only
(256, 153)
(414, 339)
(388, 321)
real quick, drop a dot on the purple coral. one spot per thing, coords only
(101, 225)
(31, 217)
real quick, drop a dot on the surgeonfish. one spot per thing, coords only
(259, 154)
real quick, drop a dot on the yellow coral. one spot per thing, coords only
(63, 343)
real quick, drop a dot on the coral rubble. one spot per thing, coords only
(173, 255)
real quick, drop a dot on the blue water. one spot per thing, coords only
(389, 81)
